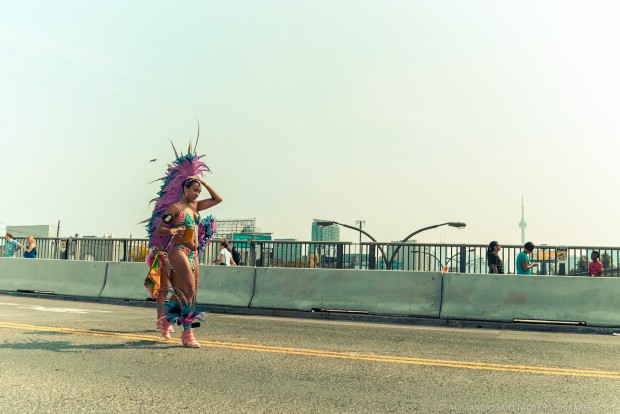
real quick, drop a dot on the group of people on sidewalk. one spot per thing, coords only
(524, 265)
(11, 246)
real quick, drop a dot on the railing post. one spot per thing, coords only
(372, 256)
(252, 252)
(463, 258)
(562, 269)
(339, 255)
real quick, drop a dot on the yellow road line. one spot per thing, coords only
(337, 355)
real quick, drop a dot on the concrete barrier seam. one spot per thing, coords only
(253, 289)
(441, 292)
(105, 279)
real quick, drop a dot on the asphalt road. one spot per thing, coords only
(76, 357)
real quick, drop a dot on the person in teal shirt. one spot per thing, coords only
(524, 265)
(10, 246)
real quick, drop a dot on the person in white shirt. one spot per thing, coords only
(225, 258)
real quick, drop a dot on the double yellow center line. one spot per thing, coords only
(336, 355)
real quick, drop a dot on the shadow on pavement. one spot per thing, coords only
(68, 346)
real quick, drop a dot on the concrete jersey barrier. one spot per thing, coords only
(126, 281)
(553, 298)
(217, 285)
(48, 275)
(377, 292)
(226, 285)
(425, 294)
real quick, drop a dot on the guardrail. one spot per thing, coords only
(447, 258)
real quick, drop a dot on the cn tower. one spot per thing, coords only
(522, 223)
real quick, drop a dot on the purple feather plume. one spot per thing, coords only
(206, 230)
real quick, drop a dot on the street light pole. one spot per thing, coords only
(360, 224)
(388, 263)
(451, 224)
(418, 252)
(325, 223)
(454, 255)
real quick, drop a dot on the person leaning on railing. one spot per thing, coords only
(11, 246)
(30, 251)
(595, 268)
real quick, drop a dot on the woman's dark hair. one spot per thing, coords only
(491, 248)
(190, 181)
(224, 243)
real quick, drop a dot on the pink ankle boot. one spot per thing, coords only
(170, 329)
(188, 340)
(164, 326)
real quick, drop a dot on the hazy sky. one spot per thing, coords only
(401, 113)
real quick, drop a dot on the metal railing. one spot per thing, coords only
(459, 258)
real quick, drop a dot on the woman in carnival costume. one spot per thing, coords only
(176, 235)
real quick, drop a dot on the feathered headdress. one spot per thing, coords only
(171, 191)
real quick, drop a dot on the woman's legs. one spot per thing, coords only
(183, 278)
(163, 325)
(162, 294)
(184, 281)
(197, 269)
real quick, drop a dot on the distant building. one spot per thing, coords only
(327, 233)
(41, 230)
(420, 259)
(410, 256)
(228, 227)
(324, 253)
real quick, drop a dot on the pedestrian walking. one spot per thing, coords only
(524, 265)
(496, 265)
(225, 258)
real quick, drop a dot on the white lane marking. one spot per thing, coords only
(61, 310)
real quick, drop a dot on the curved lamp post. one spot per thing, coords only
(456, 224)
(325, 223)
(388, 263)
(442, 266)
(418, 252)
(454, 255)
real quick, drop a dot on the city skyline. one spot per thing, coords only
(404, 114)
